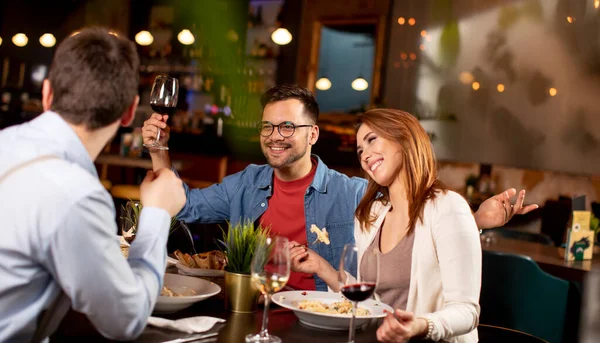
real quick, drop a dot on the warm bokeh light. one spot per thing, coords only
(186, 37)
(413, 56)
(20, 39)
(323, 84)
(47, 40)
(475, 85)
(0, 40)
(423, 33)
(552, 91)
(570, 19)
(403, 56)
(465, 77)
(412, 21)
(428, 38)
(281, 36)
(401, 20)
(596, 3)
(500, 88)
(360, 84)
(144, 38)
(422, 47)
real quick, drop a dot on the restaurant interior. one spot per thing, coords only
(507, 91)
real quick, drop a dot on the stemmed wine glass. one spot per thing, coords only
(270, 272)
(163, 100)
(362, 287)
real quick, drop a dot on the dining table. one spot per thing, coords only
(549, 258)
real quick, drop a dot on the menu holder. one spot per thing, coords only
(580, 239)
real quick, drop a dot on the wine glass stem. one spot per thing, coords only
(158, 136)
(265, 323)
(351, 330)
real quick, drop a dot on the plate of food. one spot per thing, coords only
(210, 263)
(180, 291)
(328, 310)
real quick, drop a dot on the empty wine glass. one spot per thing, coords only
(163, 100)
(359, 288)
(270, 272)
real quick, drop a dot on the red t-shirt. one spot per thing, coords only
(285, 215)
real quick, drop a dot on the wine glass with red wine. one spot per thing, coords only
(361, 287)
(163, 100)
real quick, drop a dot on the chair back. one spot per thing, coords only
(496, 334)
(516, 294)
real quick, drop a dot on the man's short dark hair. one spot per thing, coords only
(94, 77)
(289, 91)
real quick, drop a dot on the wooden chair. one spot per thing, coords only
(518, 295)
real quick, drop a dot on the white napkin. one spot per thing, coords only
(187, 325)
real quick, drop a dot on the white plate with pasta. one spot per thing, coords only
(181, 292)
(328, 310)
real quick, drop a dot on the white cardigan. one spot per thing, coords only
(445, 275)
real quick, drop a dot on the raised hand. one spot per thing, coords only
(498, 210)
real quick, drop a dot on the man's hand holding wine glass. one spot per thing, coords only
(150, 129)
(401, 326)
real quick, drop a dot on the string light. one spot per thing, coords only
(412, 21)
(413, 56)
(465, 77)
(552, 91)
(401, 20)
(500, 88)
(475, 85)
(422, 47)
(423, 33)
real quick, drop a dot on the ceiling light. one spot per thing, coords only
(144, 38)
(47, 40)
(360, 84)
(186, 37)
(20, 39)
(323, 84)
(281, 36)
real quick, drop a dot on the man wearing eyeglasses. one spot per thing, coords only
(294, 190)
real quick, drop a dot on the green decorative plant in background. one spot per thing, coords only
(595, 225)
(238, 245)
(442, 13)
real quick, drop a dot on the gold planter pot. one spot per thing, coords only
(240, 295)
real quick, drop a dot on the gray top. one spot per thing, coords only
(394, 271)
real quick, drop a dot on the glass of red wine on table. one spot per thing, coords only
(163, 100)
(360, 288)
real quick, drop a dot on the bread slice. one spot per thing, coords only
(180, 257)
(190, 261)
(202, 261)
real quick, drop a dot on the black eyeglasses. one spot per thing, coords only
(286, 129)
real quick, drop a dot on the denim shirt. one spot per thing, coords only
(329, 202)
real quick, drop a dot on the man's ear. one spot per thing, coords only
(47, 95)
(314, 135)
(129, 114)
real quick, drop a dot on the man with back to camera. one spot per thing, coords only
(295, 189)
(57, 238)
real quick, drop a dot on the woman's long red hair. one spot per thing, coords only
(418, 164)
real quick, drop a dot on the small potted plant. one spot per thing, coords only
(238, 246)
(130, 215)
